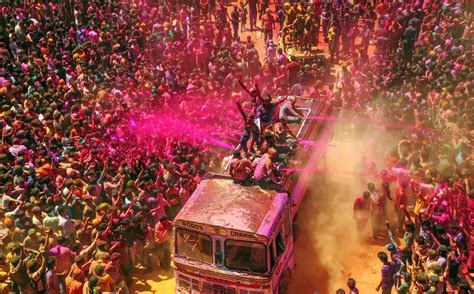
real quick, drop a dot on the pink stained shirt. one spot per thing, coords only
(63, 258)
(264, 168)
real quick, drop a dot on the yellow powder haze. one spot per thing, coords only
(328, 248)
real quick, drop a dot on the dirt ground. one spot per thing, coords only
(327, 249)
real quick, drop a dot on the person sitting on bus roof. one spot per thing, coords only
(283, 133)
(289, 112)
(271, 142)
(241, 169)
(265, 170)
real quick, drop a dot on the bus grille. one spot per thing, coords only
(188, 283)
(218, 289)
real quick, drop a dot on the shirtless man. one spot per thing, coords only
(268, 23)
(241, 169)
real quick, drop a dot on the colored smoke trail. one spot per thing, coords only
(324, 170)
(315, 143)
(163, 126)
(207, 122)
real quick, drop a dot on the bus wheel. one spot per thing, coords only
(284, 281)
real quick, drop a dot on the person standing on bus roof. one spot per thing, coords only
(162, 239)
(251, 132)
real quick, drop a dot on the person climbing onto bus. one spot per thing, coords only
(241, 169)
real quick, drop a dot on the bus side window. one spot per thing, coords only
(218, 252)
(280, 244)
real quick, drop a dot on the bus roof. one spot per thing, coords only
(220, 202)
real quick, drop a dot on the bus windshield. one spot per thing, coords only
(194, 245)
(246, 256)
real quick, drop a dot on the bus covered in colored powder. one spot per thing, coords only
(238, 239)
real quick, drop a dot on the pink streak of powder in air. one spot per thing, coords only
(314, 143)
(166, 126)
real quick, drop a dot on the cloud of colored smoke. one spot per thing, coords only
(328, 240)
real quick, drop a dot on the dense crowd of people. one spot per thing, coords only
(418, 81)
(112, 111)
